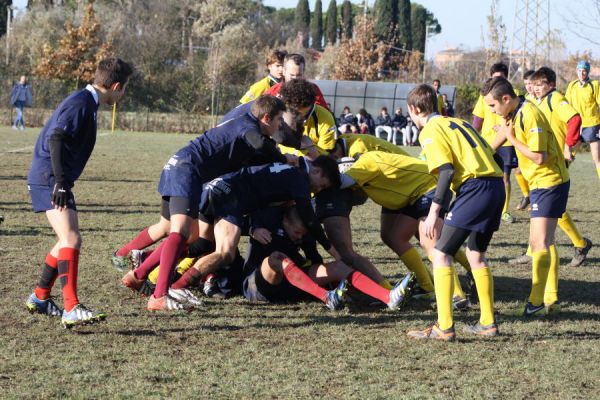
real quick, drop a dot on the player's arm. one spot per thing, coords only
(442, 196)
(265, 145)
(326, 131)
(573, 131)
(61, 190)
(307, 214)
(538, 157)
(478, 114)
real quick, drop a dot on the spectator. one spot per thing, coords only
(20, 98)
(383, 123)
(440, 101)
(347, 121)
(410, 133)
(398, 125)
(365, 122)
(448, 106)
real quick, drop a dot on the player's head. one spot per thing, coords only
(583, 70)
(275, 63)
(499, 94)
(543, 81)
(298, 94)
(384, 111)
(346, 110)
(528, 81)
(324, 174)
(23, 79)
(399, 110)
(293, 225)
(338, 150)
(499, 69)
(292, 125)
(436, 84)
(293, 66)
(112, 75)
(421, 102)
(268, 110)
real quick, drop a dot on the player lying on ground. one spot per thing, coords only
(464, 163)
(60, 155)
(276, 272)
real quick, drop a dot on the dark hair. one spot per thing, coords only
(544, 73)
(438, 81)
(298, 93)
(499, 67)
(346, 108)
(528, 73)
(498, 87)
(329, 168)
(424, 98)
(276, 56)
(293, 216)
(363, 112)
(112, 70)
(298, 59)
(267, 105)
(384, 109)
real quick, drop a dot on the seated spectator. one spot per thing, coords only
(347, 121)
(383, 123)
(365, 122)
(398, 124)
(410, 133)
(448, 106)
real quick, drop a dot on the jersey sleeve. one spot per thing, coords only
(437, 150)
(309, 247)
(533, 131)
(568, 92)
(563, 108)
(597, 92)
(327, 131)
(71, 119)
(357, 147)
(479, 110)
(254, 92)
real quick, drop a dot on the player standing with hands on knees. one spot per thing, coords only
(61, 152)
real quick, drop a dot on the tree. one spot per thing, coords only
(423, 23)
(404, 39)
(331, 23)
(4, 4)
(317, 26)
(496, 35)
(347, 20)
(365, 51)
(78, 52)
(303, 20)
(386, 19)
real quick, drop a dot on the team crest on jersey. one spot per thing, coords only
(535, 130)
(172, 162)
(449, 216)
(534, 207)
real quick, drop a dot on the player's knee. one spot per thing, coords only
(72, 239)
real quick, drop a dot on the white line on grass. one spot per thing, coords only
(21, 149)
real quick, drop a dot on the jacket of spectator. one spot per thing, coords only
(346, 119)
(399, 121)
(382, 120)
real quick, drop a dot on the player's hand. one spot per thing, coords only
(291, 159)
(429, 226)
(497, 128)
(261, 235)
(508, 130)
(220, 187)
(60, 195)
(568, 155)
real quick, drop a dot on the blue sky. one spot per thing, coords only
(463, 20)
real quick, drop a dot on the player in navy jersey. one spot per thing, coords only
(236, 143)
(227, 199)
(61, 152)
(275, 271)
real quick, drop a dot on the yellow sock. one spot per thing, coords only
(457, 287)
(551, 289)
(412, 259)
(507, 199)
(184, 265)
(461, 258)
(444, 282)
(485, 291)
(529, 252)
(598, 171)
(566, 224)
(153, 276)
(386, 284)
(523, 185)
(540, 269)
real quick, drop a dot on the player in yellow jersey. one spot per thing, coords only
(528, 82)
(440, 99)
(275, 67)
(584, 95)
(354, 144)
(542, 164)
(464, 163)
(565, 123)
(488, 123)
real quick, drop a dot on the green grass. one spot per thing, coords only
(233, 349)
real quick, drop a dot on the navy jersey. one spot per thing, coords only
(238, 111)
(232, 145)
(272, 219)
(76, 117)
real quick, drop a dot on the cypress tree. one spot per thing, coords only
(316, 31)
(404, 30)
(331, 23)
(418, 19)
(303, 20)
(386, 18)
(347, 18)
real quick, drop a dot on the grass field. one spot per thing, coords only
(233, 349)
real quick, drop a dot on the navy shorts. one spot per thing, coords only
(478, 205)
(550, 202)
(337, 202)
(508, 155)
(256, 288)
(180, 177)
(590, 134)
(215, 205)
(41, 198)
(419, 208)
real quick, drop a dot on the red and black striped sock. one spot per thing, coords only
(47, 277)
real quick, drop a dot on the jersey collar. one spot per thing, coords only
(432, 115)
(304, 164)
(584, 82)
(513, 115)
(91, 89)
(312, 110)
(272, 80)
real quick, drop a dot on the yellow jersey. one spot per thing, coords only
(585, 99)
(320, 127)
(490, 119)
(558, 112)
(533, 130)
(447, 140)
(355, 144)
(440, 104)
(393, 181)
(258, 89)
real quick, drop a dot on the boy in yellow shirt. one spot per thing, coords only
(464, 162)
(275, 67)
(542, 164)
